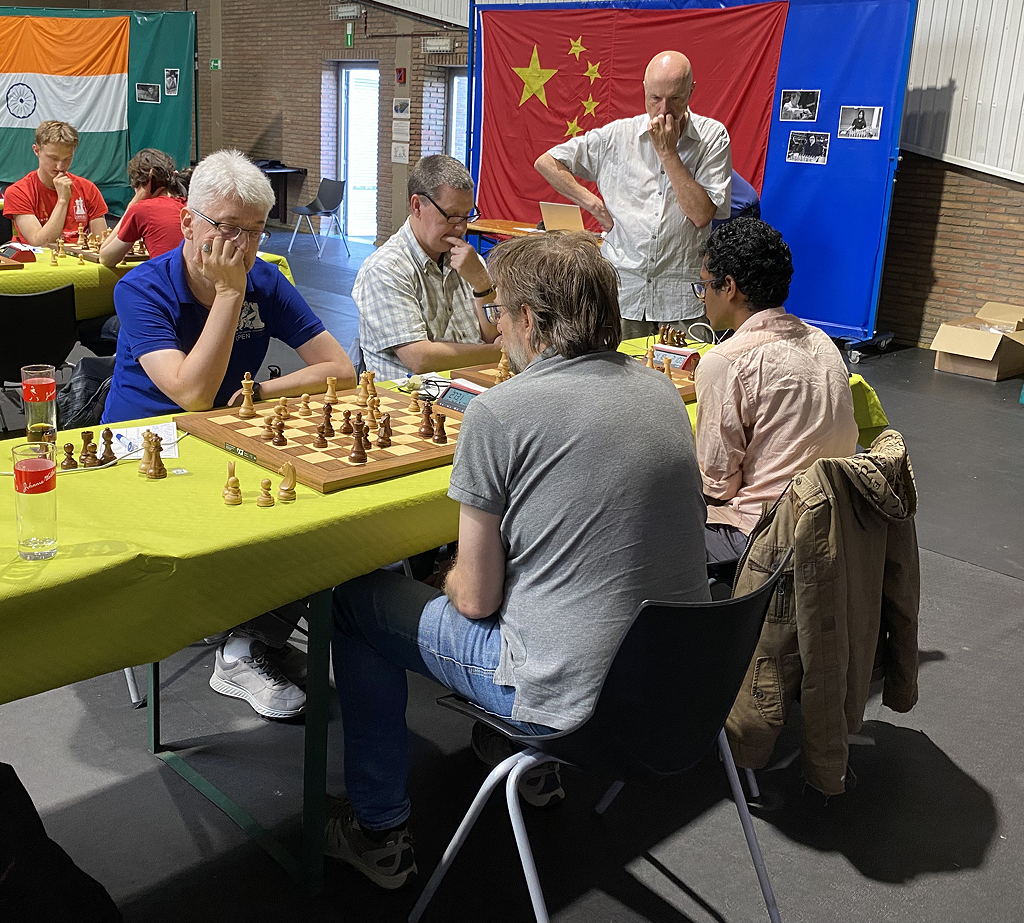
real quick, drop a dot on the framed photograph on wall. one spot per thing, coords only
(861, 123)
(799, 105)
(400, 107)
(171, 75)
(147, 92)
(807, 147)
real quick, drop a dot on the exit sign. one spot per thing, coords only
(215, 64)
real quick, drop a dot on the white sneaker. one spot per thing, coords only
(257, 680)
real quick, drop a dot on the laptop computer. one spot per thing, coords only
(560, 217)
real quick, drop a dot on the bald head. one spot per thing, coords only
(668, 84)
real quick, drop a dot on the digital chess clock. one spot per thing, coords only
(458, 395)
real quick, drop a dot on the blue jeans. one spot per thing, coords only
(384, 624)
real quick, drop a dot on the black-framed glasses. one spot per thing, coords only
(232, 232)
(493, 312)
(700, 287)
(454, 220)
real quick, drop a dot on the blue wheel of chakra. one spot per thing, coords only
(21, 101)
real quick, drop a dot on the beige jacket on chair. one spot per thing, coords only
(845, 614)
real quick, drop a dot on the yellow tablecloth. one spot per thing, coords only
(93, 282)
(146, 567)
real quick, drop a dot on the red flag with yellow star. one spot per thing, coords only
(548, 75)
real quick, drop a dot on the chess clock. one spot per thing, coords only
(682, 358)
(20, 252)
(457, 396)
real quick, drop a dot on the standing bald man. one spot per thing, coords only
(662, 178)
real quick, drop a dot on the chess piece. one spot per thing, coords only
(247, 411)
(304, 409)
(371, 385)
(81, 235)
(53, 258)
(87, 435)
(331, 397)
(90, 459)
(286, 489)
(81, 258)
(504, 368)
(358, 454)
(346, 423)
(282, 410)
(371, 410)
(367, 445)
(145, 460)
(440, 436)
(69, 462)
(320, 440)
(232, 493)
(60, 246)
(328, 425)
(414, 403)
(426, 429)
(231, 474)
(265, 498)
(108, 447)
(157, 471)
(384, 431)
(279, 438)
(268, 429)
(649, 360)
(666, 366)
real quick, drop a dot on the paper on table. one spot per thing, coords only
(129, 438)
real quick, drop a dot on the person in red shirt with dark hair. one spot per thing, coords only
(154, 213)
(50, 201)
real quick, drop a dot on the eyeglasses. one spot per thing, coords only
(232, 232)
(700, 287)
(493, 312)
(453, 219)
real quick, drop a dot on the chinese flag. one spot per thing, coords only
(551, 74)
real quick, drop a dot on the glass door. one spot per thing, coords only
(357, 147)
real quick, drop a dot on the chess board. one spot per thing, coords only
(7, 263)
(93, 256)
(487, 375)
(327, 470)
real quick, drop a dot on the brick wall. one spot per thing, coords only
(956, 240)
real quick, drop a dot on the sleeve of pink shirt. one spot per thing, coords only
(721, 438)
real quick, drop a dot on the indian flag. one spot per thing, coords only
(70, 69)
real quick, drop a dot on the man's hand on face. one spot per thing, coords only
(223, 264)
(467, 263)
(62, 183)
(665, 131)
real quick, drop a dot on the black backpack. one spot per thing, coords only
(80, 402)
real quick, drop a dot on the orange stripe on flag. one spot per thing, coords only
(64, 46)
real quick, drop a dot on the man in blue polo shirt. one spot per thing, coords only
(193, 322)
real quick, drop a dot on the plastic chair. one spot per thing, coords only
(37, 328)
(325, 205)
(660, 711)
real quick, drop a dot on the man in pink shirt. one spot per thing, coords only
(773, 398)
(51, 202)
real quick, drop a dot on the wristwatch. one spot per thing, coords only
(257, 391)
(484, 293)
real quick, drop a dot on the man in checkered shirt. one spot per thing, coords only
(421, 295)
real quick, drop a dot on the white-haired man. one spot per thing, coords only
(662, 177)
(194, 320)
(421, 295)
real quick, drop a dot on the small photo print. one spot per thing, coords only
(147, 92)
(863, 123)
(400, 106)
(807, 147)
(171, 81)
(799, 105)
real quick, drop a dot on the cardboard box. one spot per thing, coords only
(989, 345)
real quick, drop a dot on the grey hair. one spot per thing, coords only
(229, 174)
(435, 171)
(572, 291)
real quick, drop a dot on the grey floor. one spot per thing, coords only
(932, 831)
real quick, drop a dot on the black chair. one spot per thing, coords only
(660, 711)
(325, 205)
(37, 328)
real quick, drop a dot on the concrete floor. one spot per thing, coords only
(931, 832)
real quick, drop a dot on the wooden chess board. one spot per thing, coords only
(93, 256)
(7, 263)
(487, 375)
(327, 470)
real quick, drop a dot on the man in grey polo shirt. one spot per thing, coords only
(662, 177)
(421, 294)
(579, 497)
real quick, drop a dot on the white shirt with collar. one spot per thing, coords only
(653, 245)
(404, 296)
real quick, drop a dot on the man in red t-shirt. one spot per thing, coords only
(50, 201)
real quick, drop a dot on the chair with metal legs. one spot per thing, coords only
(660, 711)
(326, 204)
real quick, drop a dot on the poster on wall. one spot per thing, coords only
(799, 105)
(399, 130)
(863, 123)
(400, 107)
(399, 153)
(807, 147)
(147, 92)
(170, 81)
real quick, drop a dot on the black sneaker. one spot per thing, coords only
(389, 862)
(540, 786)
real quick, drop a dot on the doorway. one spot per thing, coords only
(358, 115)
